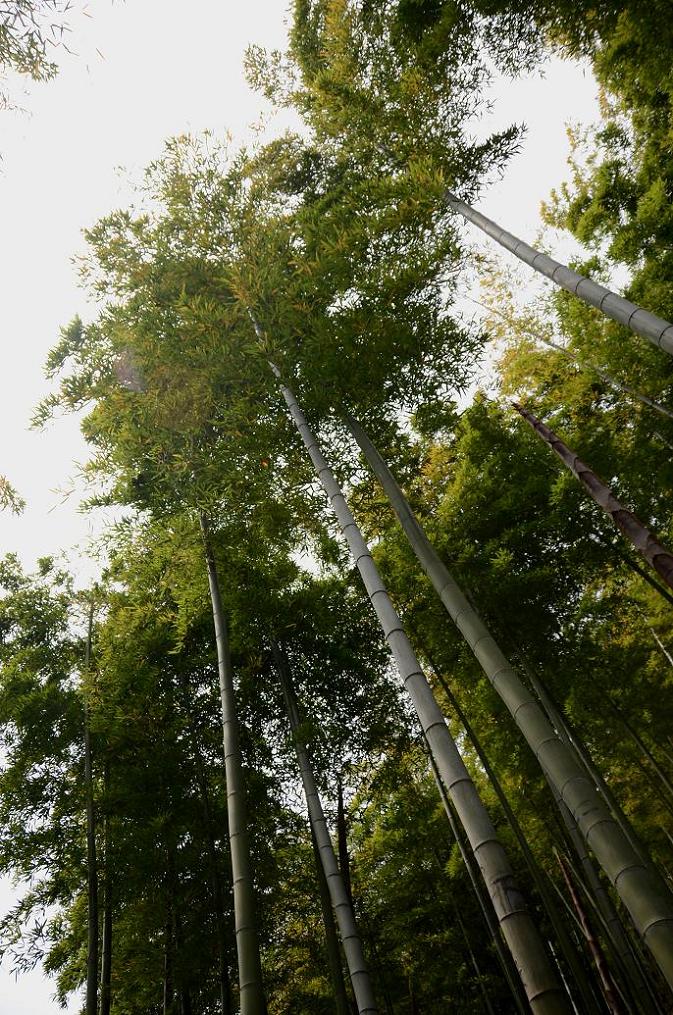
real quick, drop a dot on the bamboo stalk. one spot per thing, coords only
(647, 544)
(541, 984)
(646, 898)
(642, 322)
(91, 859)
(343, 909)
(251, 988)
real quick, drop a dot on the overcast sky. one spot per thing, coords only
(164, 68)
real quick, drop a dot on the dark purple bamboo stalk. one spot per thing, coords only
(647, 544)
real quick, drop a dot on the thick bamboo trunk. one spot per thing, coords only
(541, 984)
(91, 859)
(343, 910)
(645, 897)
(641, 321)
(251, 987)
(647, 544)
(548, 901)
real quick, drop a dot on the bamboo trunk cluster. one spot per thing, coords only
(642, 322)
(544, 992)
(343, 910)
(644, 895)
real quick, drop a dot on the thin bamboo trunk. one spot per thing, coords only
(106, 959)
(343, 910)
(251, 988)
(664, 651)
(541, 984)
(647, 544)
(342, 841)
(638, 740)
(583, 365)
(609, 988)
(646, 897)
(91, 859)
(504, 958)
(215, 876)
(641, 321)
(168, 965)
(475, 965)
(645, 575)
(548, 901)
(341, 1005)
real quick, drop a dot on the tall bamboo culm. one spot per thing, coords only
(544, 992)
(641, 321)
(644, 895)
(546, 897)
(343, 910)
(251, 987)
(645, 541)
(91, 858)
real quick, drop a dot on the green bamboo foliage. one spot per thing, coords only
(251, 988)
(343, 909)
(647, 544)
(645, 897)
(642, 322)
(542, 987)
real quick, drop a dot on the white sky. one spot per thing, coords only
(167, 68)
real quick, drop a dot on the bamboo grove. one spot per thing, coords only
(370, 709)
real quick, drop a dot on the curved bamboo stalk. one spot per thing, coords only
(644, 896)
(543, 990)
(647, 544)
(642, 322)
(251, 987)
(343, 910)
